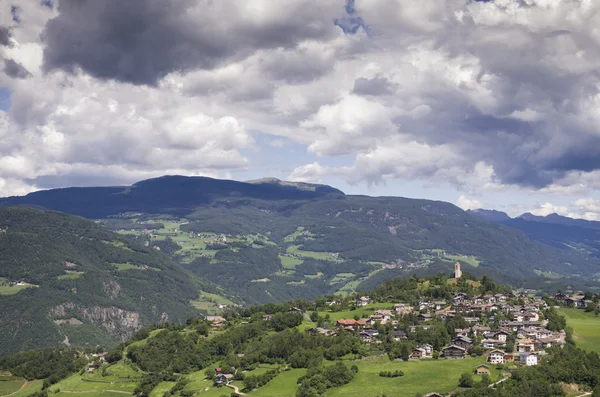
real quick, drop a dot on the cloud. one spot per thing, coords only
(468, 204)
(375, 86)
(481, 96)
(142, 41)
(4, 36)
(549, 208)
(309, 173)
(15, 70)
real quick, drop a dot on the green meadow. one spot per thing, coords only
(420, 377)
(364, 311)
(283, 385)
(10, 385)
(586, 327)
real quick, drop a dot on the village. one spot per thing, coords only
(520, 337)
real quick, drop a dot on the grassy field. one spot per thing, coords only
(90, 383)
(283, 385)
(295, 249)
(122, 370)
(70, 275)
(29, 387)
(289, 262)
(161, 389)
(361, 311)
(13, 289)
(471, 260)
(585, 328)
(209, 302)
(10, 386)
(420, 377)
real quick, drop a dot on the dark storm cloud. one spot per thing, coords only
(4, 36)
(15, 70)
(378, 85)
(141, 41)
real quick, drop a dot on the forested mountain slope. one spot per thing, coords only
(65, 279)
(270, 240)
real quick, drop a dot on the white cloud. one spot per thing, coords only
(309, 173)
(468, 204)
(481, 96)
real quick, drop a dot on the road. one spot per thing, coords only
(236, 390)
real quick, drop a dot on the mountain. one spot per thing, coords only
(561, 220)
(568, 234)
(490, 215)
(65, 279)
(272, 241)
(169, 194)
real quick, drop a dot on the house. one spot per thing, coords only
(439, 305)
(295, 310)
(267, 317)
(402, 309)
(223, 379)
(496, 357)
(399, 336)
(525, 346)
(215, 319)
(560, 297)
(482, 369)
(423, 351)
(509, 358)
(368, 335)
(501, 335)
(492, 344)
(433, 395)
(480, 329)
(454, 352)
(463, 342)
(350, 323)
(363, 301)
(425, 317)
(529, 359)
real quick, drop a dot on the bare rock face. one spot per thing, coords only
(62, 310)
(118, 322)
(112, 289)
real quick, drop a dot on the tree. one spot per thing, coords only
(466, 380)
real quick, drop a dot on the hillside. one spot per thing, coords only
(316, 348)
(64, 279)
(271, 241)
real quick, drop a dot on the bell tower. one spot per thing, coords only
(457, 272)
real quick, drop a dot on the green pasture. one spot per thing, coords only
(420, 377)
(586, 328)
(283, 385)
(364, 311)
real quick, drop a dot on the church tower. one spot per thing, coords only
(457, 272)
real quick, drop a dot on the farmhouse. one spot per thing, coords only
(482, 370)
(223, 379)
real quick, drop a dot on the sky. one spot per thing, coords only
(485, 104)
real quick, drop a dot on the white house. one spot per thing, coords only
(529, 359)
(496, 357)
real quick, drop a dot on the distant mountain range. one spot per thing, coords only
(558, 231)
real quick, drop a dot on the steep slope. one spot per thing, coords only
(80, 283)
(272, 241)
